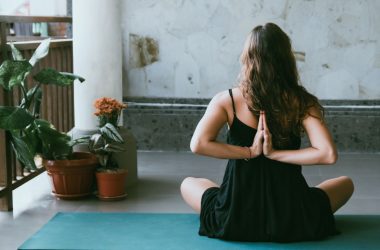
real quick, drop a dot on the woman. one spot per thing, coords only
(264, 196)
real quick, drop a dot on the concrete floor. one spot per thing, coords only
(160, 174)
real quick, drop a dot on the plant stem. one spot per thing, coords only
(24, 93)
(36, 111)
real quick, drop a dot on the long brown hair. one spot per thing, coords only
(269, 81)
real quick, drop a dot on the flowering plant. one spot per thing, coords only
(107, 139)
(108, 110)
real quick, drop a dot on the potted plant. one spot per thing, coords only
(111, 179)
(31, 136)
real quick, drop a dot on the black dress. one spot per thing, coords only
(263, 199)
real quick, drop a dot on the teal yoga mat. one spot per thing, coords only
(138, 231)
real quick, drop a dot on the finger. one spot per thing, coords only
(266, 135)
(262, 120)
(265, 127)
(259, 137)
(261, 134)
(260, 123)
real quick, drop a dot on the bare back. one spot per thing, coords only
(241, 107)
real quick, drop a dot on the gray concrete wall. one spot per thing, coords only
(190, 48)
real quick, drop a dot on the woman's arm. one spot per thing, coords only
(321, 151)
(204, 141)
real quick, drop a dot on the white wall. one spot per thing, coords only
(200, 43)
(48, 7)
(33, 7)
(11, 7)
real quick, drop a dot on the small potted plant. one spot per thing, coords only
(107, 141)
(71, 173)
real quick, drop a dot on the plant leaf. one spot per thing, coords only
(13, 73)
(41, 122)
(103, 159)
(51, 76)
(23, 153)
(30, 137)
(80, 140)
(55, 145)
(41, 51)
(73, 76)
(114, 148)
(14, 118)
(17, 56)
(111, 133)
(96, 143)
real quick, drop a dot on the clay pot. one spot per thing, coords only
(74, 178)
(111, 184)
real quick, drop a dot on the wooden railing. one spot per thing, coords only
(57, 103)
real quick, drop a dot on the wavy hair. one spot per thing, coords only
(269, 81)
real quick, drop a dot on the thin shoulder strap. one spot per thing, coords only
(233, 103)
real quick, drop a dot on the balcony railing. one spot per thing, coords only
(57, 103)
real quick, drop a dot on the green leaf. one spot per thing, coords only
(30, 137)
(112, 147)
(96, 143)
(103, 159)
(73, 76)
(23, 153)
(51, 76)
(80, 140)
(13, 73)
(17, 56)
(55, 145)
(14, 118)
(44, 123)
(110, 132)
(40, 52)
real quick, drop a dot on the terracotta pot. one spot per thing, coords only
(111, 185)
(72, 179)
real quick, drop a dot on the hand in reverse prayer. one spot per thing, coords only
(267, 145)
(257, 146)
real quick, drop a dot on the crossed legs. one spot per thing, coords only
(192, 190)
(339, 191)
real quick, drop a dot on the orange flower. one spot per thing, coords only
(108, 106)
(108, 110)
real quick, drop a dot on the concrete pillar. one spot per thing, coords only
(97, 48)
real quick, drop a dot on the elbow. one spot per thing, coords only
(330, 157)
(195, 146)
